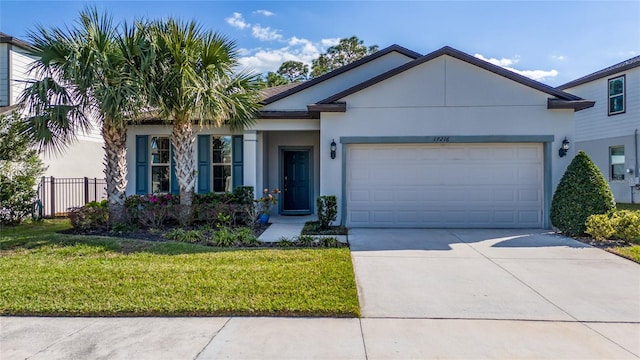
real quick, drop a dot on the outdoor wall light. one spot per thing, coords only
(565, 147)
(333, 149)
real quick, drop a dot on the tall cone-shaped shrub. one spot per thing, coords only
(582, 192)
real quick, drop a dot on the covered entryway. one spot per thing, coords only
(444, 185)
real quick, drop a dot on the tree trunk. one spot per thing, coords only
(115, 170)
(182, 138)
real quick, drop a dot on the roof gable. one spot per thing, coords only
(460, 56)
(305, 85)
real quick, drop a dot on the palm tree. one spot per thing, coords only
(88, 71)
(193, 80)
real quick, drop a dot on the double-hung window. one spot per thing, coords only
(221, 163)
(616, 155)
(160, 164)
(616, 95)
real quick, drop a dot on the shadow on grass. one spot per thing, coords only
(55, 234)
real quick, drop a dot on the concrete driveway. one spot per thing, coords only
(518, 293)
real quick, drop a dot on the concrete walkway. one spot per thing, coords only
(285, 226)
(456, 294)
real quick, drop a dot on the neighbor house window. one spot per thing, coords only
(616, 95)
(221, 166)
(617, 162)
(160, 160)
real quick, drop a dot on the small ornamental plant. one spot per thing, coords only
(267, 200)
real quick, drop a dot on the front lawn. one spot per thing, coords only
(630, 252)
(45, 273)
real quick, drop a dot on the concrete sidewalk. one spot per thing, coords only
(310, 338)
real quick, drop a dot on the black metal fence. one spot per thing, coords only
(56, 195)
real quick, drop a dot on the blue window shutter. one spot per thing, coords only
(142, 164)
(237, 171)
(175, 189)
(204, 164)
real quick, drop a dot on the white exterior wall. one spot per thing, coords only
(81, 159)
(442, 97)
(322, 90)
(595, 123)
(20, 64)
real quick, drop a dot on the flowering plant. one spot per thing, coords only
(267, 200)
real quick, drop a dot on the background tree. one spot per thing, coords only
(20, 167)
(91, 70)
(192, 80)
(345, 52)
(294, 71)
(272, 79)
(582, 192)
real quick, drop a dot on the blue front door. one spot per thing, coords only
(296, 182)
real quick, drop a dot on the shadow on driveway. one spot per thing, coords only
(448, 239)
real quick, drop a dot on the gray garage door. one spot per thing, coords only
(445, 185)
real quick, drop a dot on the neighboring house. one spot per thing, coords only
(608, 132)
(440, 140)
(83, 158)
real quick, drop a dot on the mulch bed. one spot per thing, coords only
(604, 244)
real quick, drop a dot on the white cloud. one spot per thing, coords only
(265, 33)
(237, 21)
(504, 62)
(330, 42)
(297, 49)
(558, 57)
(538, 75)
(307, 46)
(264, 12)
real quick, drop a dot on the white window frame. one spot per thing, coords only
(229, 180)
(623, 95)
(611, 163)
(152, 164)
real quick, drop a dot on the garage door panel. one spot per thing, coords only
(444, 185)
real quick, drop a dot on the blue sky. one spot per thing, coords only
(550, 41)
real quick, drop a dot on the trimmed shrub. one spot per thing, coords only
(627, 225)
(582, 192)
(94, 215)
(243, 195)
(600, 226)
(327, 207)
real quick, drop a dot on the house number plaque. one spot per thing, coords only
(440, 139)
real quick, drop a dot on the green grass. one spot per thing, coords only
(628, 206)
(630, 252)
(45, 273)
